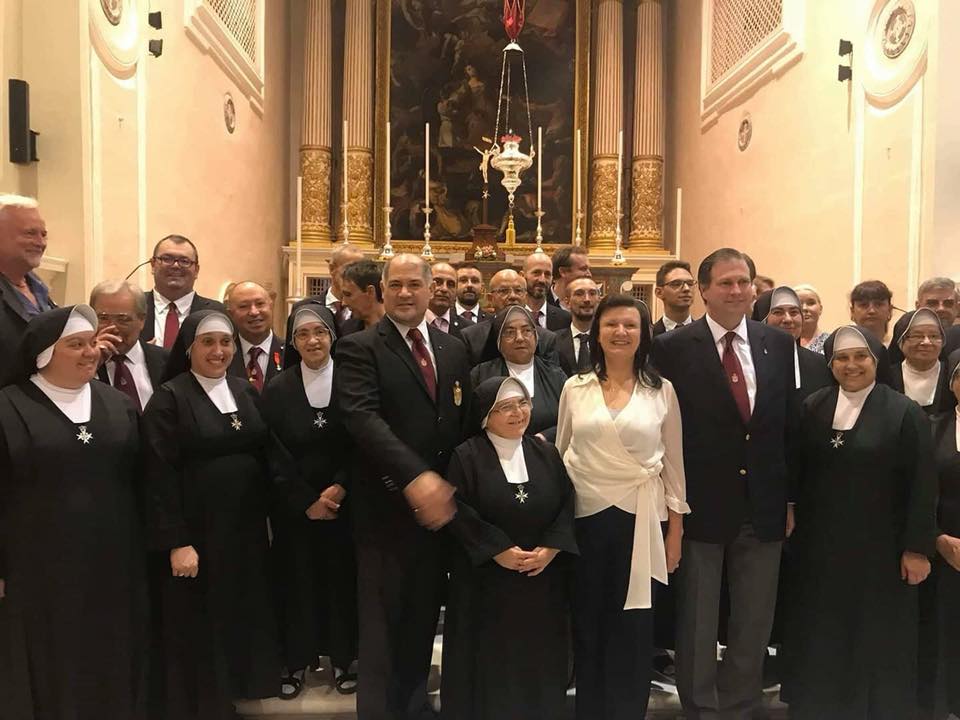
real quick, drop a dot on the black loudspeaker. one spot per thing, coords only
(23, 141)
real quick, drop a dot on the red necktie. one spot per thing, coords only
(171, 327)
(536, 316)
(123, 381)
(422, 356)
(734, 371)
(254, 373)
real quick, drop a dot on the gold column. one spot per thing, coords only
(646, 197)
(315, 124)
(608, 121)
(358, 112)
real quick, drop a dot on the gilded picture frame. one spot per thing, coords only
(412, 241)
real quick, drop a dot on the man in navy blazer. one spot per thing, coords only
(734, 380)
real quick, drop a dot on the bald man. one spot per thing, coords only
(403, 388)
(259, 354)
(538, 274)
(507, 288)
(441, 312)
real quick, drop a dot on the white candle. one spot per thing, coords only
(299, 285)
(676, 248)
(576, 170)
(345, 173)
(386, 189)
(539, 168)
(426, 163)
(619, 173)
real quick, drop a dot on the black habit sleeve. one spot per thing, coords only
(560, 535)
(165, 521)
(920, 476)
(481, 540)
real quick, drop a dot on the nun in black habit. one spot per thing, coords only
(782, 308)
(921, 372)
(947, 449)
(73, 612)
(207, 486)
(865, 531)
(511, 352)
(313, 556)
(506, 637)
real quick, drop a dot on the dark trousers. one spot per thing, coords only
(613, 647)
(729, 690)
(400, 585)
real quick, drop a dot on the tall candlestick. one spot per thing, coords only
(539, 168)
(299, 286)
(619, 175)
(345, 173)
(426, 162)
(576, 171)
(386, 188)
(676, 249)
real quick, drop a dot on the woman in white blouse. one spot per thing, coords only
(619, 434)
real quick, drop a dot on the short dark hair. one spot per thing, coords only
(363, 274)
(668, 267)
(646, 374)
(722, 255)
(871, 291)
(178, 240)
(561, 257)
(467, 265)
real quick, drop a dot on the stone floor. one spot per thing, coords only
(320, 701)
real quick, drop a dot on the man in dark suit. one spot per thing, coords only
(259, 354)
(175, 265)
(132, 366)
(404, 389)
(569, 263)
(469, 292)
(538, 274)
(674, 286)
(444, 292)
(507, 288)
(23, 240)
(734, 380)
(573, 341)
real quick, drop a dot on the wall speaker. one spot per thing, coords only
(23, 141)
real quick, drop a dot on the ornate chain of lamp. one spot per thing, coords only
(508, 158)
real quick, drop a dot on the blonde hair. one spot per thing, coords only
(808, 288)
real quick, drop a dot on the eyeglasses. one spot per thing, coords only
(504, 291)
(511, 406)
(119, 320)
(514, 333)
(918, 337)
(171, 260)
(310, 333)
(678, 284)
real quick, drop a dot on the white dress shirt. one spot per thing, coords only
(331, 300)
(440, 322)
(633, 461)
(920, 385)
(741, 346)
(958, 429)
(264, 358)
(160, 308)
(72, 402)
(137, 365)
(669, 324)
(474, 311)
(422, 327)
(541, 319)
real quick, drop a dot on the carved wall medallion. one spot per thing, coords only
(646, 211)
(315, 170)
(229, 114)
(113, 10)
(896, 26)
(745, 133)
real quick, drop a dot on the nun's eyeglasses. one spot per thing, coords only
(514, 333)
(511, 407)
(310, 333)
(919, 337)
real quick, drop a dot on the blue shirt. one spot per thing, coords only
(40, 292)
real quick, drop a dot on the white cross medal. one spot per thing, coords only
(235, 422)
(521, 495)
(837, 440)
(85, 437)
(320, 421)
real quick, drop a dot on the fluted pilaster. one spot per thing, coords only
(316, 122)
(608, 121)
(358, 112)
(646, 207)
